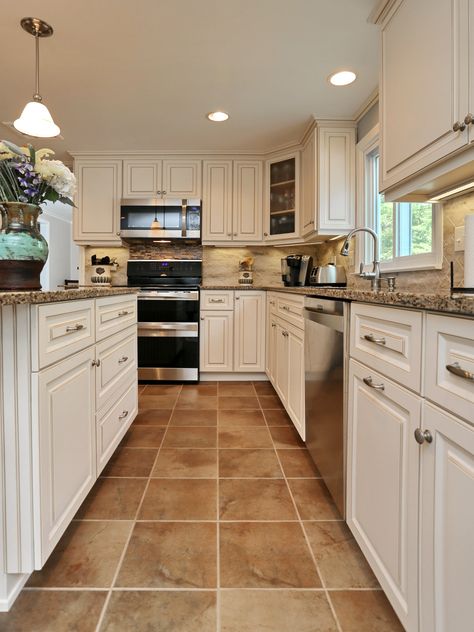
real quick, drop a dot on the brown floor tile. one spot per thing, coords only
(275, 611)
(143, 437)
(130, 462)
(86, 556)
(146, 402)
(238, 403)
(167, 611)
(190, 438)
(265, 555)
(275, 417)
(204, 388)
(249, 463)
(186, 463)
(245, 418)
(365, 611)
(270, 402)
(113, 499)
(153, 417)
(196, 402)
(180, 499)
(244, 438)
(255, 500)
(236, 389)
(298, 464)
(169, 390)
(313, 500)
(264, 388)
(194, 418)
(286, 438)
(141, 388)
(339, 558)
(170, 555)
(54, 611)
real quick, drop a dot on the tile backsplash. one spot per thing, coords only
(221, 265)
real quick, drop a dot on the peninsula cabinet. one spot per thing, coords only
(179, 178)
(426, 92)
(96, 220)
(232, 201)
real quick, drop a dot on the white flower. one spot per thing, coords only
(42, 153)
(58, 176)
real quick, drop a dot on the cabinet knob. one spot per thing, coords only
(229, 234)
(95, 362)
(423, 435)
(235, 234)
(265, 234)
(118, 233)
(459, 126)
(237, 298)
(202, 318)
(469, 119)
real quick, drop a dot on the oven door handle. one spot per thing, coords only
(168, 326)
(182, 296)
(167, 333)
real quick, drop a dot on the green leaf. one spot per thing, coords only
(32, 153)
(66, 200)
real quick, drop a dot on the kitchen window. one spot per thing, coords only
(410, 233)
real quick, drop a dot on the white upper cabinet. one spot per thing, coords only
(247, 201)
(141, 178)
(426, 63)
(217, 200)
(282, 179)
(328, 180)
(173, 178)
(97, 216)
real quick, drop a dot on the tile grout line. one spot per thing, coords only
(134, 522)
(218, 525)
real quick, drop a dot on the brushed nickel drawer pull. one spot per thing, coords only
(125, 312)
(369, 382)
(284, 333)
(216, 300)
(377, 341)
(456, 369)
(123, 415)
(123, 359)
(286, 308)
(72, 328)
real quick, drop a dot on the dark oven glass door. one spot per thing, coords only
(175, 352)
(168, 309)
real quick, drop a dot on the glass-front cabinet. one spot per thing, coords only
(282, 197)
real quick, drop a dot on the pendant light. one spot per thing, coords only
(35, 120)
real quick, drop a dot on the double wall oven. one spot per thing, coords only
(168, 318)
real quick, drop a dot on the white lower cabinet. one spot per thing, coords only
(217, 341)
(447, 523)
(66, 447)
(249, 331)
(382, 483)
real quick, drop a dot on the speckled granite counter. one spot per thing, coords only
(433, 302)
(15, 298)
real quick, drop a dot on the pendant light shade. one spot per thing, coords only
(36, 120)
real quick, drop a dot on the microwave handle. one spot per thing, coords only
(184, 206)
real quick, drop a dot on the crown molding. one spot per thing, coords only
(371, 100)
(380, 11)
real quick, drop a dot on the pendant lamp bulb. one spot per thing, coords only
(36, 120)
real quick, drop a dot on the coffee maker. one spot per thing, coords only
(295, 270)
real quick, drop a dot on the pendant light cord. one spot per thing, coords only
(37, 96)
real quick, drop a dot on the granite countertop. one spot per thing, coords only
(34, 298)
(460, 304)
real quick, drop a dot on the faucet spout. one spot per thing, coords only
(375, 274)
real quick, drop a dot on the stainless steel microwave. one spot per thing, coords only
(160, 220)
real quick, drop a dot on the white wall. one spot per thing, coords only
(56, 226)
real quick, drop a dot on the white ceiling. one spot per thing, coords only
(142, 74)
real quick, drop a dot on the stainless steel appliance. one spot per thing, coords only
(328, 275)
(326, 353)
(295, 270)
(168, 318)
(160, 220)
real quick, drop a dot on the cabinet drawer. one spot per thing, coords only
(290, 307)
(116, 363)
(113, 424)
(61, 330)
(388, 340)
(113, 314)
(217, 299)
(450, 343)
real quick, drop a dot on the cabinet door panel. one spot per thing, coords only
(217, 201)
(295, 399)
(382, 487)
(247, 200)
(249, 335)
(281, 363)
(447, 523)
(66, 434)
(141, 178)
(182, 178)
(216, 341)
(308, 204)
(424, 82)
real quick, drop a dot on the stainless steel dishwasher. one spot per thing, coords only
(326, 352)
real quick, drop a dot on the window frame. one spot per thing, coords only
(365, 150)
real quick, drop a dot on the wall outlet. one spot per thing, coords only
(458, 238)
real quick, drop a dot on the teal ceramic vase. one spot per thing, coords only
(23, 249)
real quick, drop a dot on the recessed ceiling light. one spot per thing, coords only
(342, 78)
(218, 117)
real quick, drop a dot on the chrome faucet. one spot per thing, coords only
(374, 276)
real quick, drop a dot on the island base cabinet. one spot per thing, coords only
(382, 484)
(447, 523)
(66, 438)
